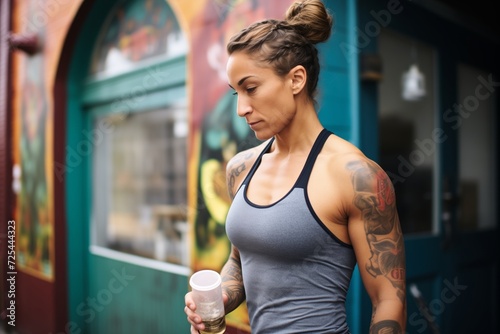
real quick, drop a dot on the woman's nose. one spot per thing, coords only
(243, 107)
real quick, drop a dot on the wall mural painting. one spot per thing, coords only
(221, 132)
(139, 30)
(35, 244)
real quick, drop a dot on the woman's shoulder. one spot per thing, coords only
(340, 150)
(240, 164)
(343, 156)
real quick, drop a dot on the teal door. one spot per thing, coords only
(435, 105)
(127, 131)
(138, 253)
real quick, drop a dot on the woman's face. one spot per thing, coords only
(265, 100)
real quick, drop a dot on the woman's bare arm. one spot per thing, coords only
(375, 231)
(232, 281)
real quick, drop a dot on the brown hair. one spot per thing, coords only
(284, 44)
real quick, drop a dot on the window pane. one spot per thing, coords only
(477, 149)
(407, 147)
(139, 184)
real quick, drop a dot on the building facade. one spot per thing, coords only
(117, 123)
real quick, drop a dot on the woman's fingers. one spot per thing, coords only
(193, 318)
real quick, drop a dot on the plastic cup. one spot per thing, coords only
(207, 295)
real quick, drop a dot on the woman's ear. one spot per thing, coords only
(298, 75)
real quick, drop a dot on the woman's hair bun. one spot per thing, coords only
(311, 19)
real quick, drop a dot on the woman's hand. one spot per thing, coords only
(193, 318)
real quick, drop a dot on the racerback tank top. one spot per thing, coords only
(296, 273)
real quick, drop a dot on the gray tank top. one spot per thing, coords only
(296, 272)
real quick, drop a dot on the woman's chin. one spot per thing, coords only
(262, 136)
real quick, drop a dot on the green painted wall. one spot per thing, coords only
(338, 102)
(125, 298)
(338, 83)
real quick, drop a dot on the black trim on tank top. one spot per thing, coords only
(301, 182)
(302, 179)
(311, 159)
(320, 222)
(257, 162)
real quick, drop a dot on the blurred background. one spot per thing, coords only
(116, 124)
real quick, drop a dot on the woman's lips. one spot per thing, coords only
(253, 125)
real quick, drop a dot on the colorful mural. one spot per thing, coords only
(136, 32)
(36, 230)
(219, 132)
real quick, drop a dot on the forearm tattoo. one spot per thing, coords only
(375, 197)
(232, 283)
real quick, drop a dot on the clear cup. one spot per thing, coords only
(207, 295)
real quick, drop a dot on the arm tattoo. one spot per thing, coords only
(233, 173)
(235, 169)
(232, 283)
(386, 327)
(374, 197)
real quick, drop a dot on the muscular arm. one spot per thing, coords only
(232, 281)
(375, 231)
(232, 278)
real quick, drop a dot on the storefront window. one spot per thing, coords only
(407, 128)
(139, 184)
(139, 124)
(477, 196)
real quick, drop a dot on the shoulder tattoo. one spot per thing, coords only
(236, 166)
(374, 196)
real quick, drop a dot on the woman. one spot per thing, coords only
(306, 204)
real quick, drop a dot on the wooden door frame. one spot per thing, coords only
(6, 195)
